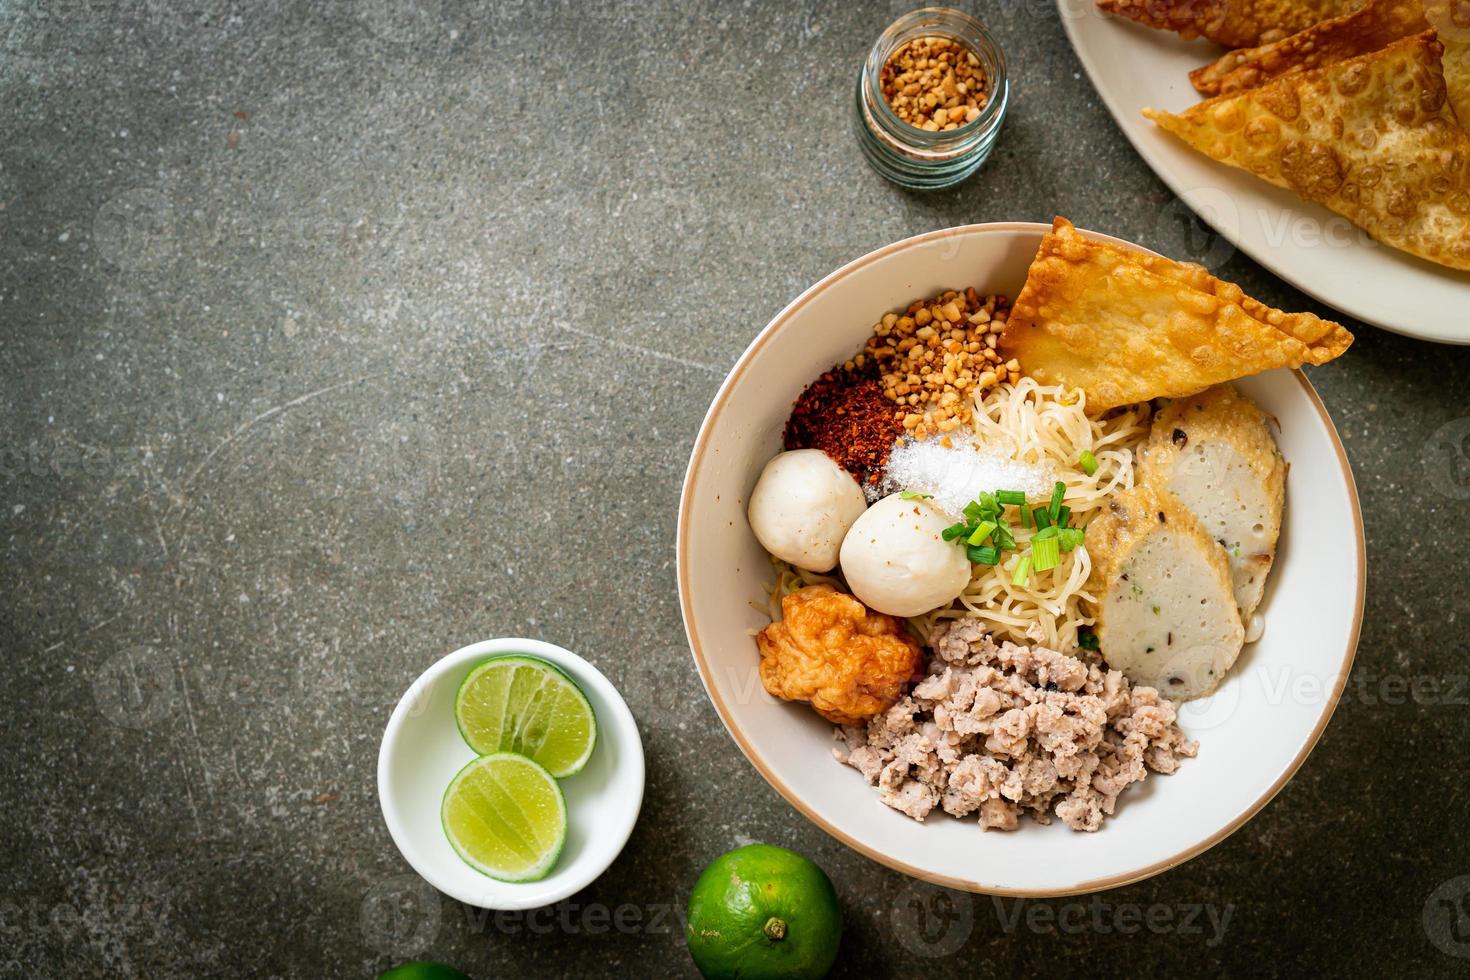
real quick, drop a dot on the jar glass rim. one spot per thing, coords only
(927, 22)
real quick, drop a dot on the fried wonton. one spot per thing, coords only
(1372, 138)
(1125, 326)
(1374, 26)
(1368, 29)
(1233, 23)
(1456, 61)
(1451, 22)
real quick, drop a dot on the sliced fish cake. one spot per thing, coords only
(1166, 613)
(1215, 452)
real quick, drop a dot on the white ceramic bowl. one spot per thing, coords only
(1254, 731)
(422, 751)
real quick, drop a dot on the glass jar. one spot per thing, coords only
(918, 158)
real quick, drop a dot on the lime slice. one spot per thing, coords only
(506, 817)
(527, 706)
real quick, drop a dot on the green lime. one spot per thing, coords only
(526, 706)
(423, 970)
(761, 913)
(506, 817)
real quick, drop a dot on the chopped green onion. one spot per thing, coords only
(1004, 539)
(1063, 514)
(1088, 462)
(974, 511)
(1040, 517)
(1070, 537)
(1022, 574)
(911, 495)
(982, 532)
(1045, 554)
(1010, 496)
(955, 531)
(1025, 516)
(1057, 493)
(1047, 533)
(985, 555)
(988, 501)
(1087, 639)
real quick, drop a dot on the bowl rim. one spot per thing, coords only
(792, 797)
(629, 779)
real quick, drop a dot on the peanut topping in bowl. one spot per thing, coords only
(933, 357)
(935, 83)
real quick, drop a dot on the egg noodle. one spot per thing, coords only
(1044, 426)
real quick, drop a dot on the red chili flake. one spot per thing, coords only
(846, 415)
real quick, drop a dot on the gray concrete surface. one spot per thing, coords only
(336, 335)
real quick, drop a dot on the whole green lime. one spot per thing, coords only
(762, 912)
(423, 970)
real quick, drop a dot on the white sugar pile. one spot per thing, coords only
(954, 475)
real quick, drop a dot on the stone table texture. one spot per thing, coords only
(335, 335)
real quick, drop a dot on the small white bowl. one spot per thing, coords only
(423, 749)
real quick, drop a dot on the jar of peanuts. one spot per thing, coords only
(930, 98)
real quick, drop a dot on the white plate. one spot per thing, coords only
(1319, 252)
(422, 751)
(1254, 731)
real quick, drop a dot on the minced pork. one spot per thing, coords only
(1009, 729)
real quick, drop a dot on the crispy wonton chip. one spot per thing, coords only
(1372, 138)
(1233, 23)
(1451, 22)
(1375, 26)
(1125, 326)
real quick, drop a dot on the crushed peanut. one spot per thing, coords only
(933, 358)
(935, 83)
